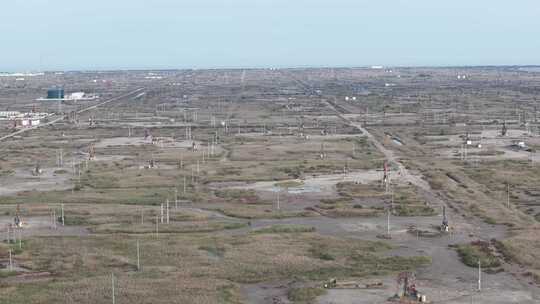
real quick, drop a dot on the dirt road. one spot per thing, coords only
(389, 154)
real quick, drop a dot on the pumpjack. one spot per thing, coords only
(504, 129)
(37, 170)
(17, 219)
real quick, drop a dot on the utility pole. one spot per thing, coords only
(14, 235)
(278, 199)
(112, 284)
(63, 221)
(479, 275)
(508, 195)
(138, 257)
(167, 211)
(181, 161)
(10, 261)
(392, 202)
(157, 227)
(176, 198)
(162, 215)
(388, 224)
(142, 216)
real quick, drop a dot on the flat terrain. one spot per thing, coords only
(260, 186)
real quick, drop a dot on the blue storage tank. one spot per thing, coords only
(55, 93)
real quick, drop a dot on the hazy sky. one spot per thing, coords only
(123, 34)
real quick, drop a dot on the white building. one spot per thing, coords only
(9, 114)
(26, 122)
(76, 95)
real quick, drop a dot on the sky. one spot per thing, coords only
(37, 35)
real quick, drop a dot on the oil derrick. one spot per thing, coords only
(385, 176)
(504, 129)
(72, 117)
(147, 134)
(17, 219)
(523, 118)
(445, 227)
(406, 291)
(91, 152)
(300, 126)
(322, 154)
(405, 281)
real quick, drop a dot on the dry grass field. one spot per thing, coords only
(274, 181)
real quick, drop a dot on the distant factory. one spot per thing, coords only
(58, 94)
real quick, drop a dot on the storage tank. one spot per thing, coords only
(55, 93)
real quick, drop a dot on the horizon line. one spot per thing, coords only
(374, 66)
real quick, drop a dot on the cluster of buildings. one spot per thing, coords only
(19, 120)
(59, 94)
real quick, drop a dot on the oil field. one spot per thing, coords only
(342, 186)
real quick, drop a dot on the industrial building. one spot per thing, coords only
(55, 93)
(59, 94)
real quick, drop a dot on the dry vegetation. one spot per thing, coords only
(274, 126)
